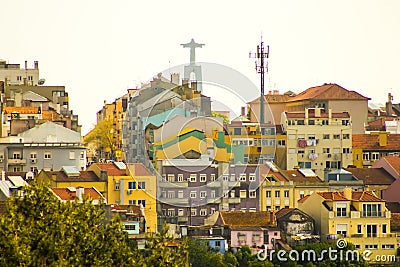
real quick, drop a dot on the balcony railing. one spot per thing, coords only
(372, 214)
(16, 161)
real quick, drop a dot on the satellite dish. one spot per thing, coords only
(41, 81)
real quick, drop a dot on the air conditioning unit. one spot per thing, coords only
(33, 160)
(129, 192)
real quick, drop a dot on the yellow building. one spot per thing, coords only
(134, 185)
(283, 188)
(71, 177)
(317, 140)
(371, 147)
(361, 218)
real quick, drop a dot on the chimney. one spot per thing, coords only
(389, 107)
(270, 92)
(175, 78)
(26, 64)
(103, 175)
(243, 111)
(79, 193)
(383, 138)
(276, 92)
(348, 193)
(193, 85)
(36, 64)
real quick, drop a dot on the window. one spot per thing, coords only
(193, 177)
(180, 177)
(203, 212)
(203, 194)
(213, 194)
(365, 156)
(252, 177)
(225, 177)
(359, 228)
(384, 228)
(237, 131)
(180, 194)
(281, 142)
(47, 155)
(142, 202)
(116, 186)
(243, 194)
(371, 246)
(131, 185)
(30, 78)
(387, 246)
(212, 211)
(277, 207)
(311, 122)
(325, 136)
(372, 210)
(72, 155)
(286, 193)
(326, 150)
(82, 155)
(232, 193)
(341, 209)
(34, 169)
(171, 212)
(193, 212)
(171, 178)
(305, 165)
(163, 194)
(346, 150)
(16, 155)
(372, 230)
(268, 207)
(375, 155)
(357, 246)
(171, 194)
(300, 151)
(300, 122)
(277, 193)
(252, 194)
(193, 194)
(325, 122)
(301, 194)
(243, 177)
(132, 201)
(345, 122)
(336, 136)
(130, 227)
(33, 156)
(180, 212)
(203, 177)
(212, 177)
(346, 136)
(19, 78)
(142, 185)
(268, 193)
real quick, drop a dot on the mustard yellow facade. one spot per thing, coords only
(360, 218)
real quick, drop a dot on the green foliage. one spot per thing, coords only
(163, 251)
(223, 116)
(39, 230)
(200, 254)
(102, 136)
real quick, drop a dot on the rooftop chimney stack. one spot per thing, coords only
(348, 193)
(36, 64)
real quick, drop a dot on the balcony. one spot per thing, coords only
(175, 201)
(215, 184)
(234, 200)
(16, 161)
(166, 184)
(366, 214)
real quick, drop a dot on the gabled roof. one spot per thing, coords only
(303, 199)
(111, 169)
(246, 218)
(371, 142)
(356, 196)
(394, 162)
(328, 91)
(366, 196)
(332, 196)
(70, 195)
(282, 212)
(372, 176)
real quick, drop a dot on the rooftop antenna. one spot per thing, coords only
(261, 68)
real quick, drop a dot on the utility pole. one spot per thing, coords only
(261, 68)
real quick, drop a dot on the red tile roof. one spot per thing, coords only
(84, 176)
(371, 142)
(66, 194)
(365, 196)
(356, 196)
(303, 199)
(395, 220)
(332, 196)
(50, 115)
(139, 170)
(21, 110)
(394, 162)
(246, 218)
(372, 176)
(283, 212)
(311, 114)
(328, 91)
(111, 169)
(133, 209)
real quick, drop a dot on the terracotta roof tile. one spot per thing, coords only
(246, 218)
(66, 194)
(394, 161)
(303, 199)
(372, 176)
(395, 220)
(21, 110)
(111, 169)
(50, 115)
(84, 176)
(332, 196)
(366, 196)
(283, 212)
(328, 91)
(140, 170)
(134, 209)
(371, 142)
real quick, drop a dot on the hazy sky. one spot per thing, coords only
(98, 49)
